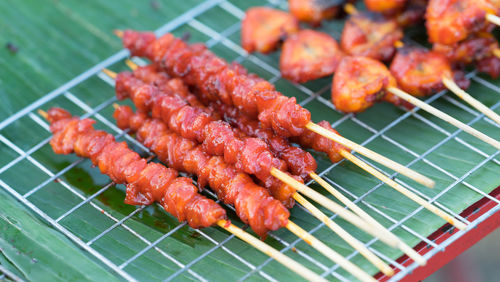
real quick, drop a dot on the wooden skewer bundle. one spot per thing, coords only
(322, 217)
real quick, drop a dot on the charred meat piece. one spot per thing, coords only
(263, 29)
(451, 21)
(309, 55)
(370, 35)
(313, 11)
(359, 83)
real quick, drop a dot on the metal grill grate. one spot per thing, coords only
(189, 19)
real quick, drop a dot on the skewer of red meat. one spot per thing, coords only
(218, 138)
(146, 182)
(152, 182)
(217, 79)
(299, 162)
(253, 203)
(250, 155)
(253, 96)
(281, 143)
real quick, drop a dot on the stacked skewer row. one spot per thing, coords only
(235, 132)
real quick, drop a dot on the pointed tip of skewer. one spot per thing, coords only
(115, 106)
(453, 87)
(399, 44)
(412, 174)
(109, 73)
(133, 66)
(350, 9)
(43, 113)
(118, 32)
(270, 251)
(328, 252)
(496, 53)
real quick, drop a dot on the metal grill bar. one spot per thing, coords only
(189, 18)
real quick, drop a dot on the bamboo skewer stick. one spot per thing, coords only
(426, 107)
(400, 244)
(494, 19)
(350, 9)
(110, 73)
(340, 211)
(328, 252)
(408, 193)
(372, 155)
(131, 64)
(270, 251)
(357, 245)
(496, 53)
(453, 87)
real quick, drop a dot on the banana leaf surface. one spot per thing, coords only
(45, 43)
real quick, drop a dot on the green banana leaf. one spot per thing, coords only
(34, 251)
(51, 42)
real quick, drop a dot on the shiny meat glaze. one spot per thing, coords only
(278, 189)
(263, 28)
(385, 6)
(216, 78)
(312, 11)
(371, 35)
(309, 55)
(451, 21)
(146, 182)
(298, 163)
(253, 203)
(420, 72)
(360, 82)
(477, 49)
(250, 155)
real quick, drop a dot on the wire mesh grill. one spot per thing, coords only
(218, 243)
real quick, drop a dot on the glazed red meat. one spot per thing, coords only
(360, 82)
(385, 6)
(420, 72)
(217, 137)
(263, 28)
(146, 182)
(309, 55)
(253, 203)
(278, 189)
(371, 35)
(216, 78)
(320, 143)
(299, 162)
(312, 11)
(451, 21)
(150, 74)
(477, 49)
(413, 13)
